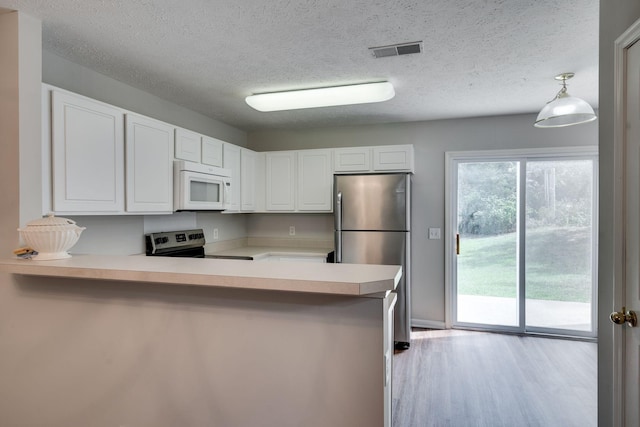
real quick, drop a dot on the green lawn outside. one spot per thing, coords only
(558, 265)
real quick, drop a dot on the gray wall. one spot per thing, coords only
(124, 234)
(65, 74)
(615, 18)
(431, 140)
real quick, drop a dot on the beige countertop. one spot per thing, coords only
(339, 279)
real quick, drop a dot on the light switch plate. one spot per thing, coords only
(434, 233)
(215, 234)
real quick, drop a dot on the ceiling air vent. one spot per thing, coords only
(396, 49)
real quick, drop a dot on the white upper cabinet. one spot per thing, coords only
(280, 181)
(149, 165)
(248, 180)
(231, 156)
(385, 158)
(87, 155)
(393, 158)
(315, 181)
(354, 159)
(188, 145)
(95, 165)
(260, 182)
(212, 151)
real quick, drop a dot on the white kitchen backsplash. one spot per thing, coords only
(229, 226)
(124, 234)
(308, 226)
(109, 235)
(175, 221)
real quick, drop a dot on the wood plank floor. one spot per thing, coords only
(464, 378)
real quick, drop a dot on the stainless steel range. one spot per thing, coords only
(185, 243)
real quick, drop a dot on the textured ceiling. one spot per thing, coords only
(481, 57)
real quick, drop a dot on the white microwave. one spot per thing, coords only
(198, 187)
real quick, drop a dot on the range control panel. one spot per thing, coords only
(172, 240)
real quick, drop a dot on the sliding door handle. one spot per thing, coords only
(458, 244)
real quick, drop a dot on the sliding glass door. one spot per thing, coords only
(560, 242)
(487, 243)
(523, 252)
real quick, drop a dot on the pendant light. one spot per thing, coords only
(564, 109)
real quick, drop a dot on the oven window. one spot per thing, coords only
(205, 191)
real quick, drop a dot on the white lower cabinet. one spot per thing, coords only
(293, 258)
(231, 161)
(387, 349)
(149, 165)
(248, 166)
(87, 155)
(315, 259)
(315, 181)
(280, 181)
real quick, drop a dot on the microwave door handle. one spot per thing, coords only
(226, 197)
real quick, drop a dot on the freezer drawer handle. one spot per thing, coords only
(339, 227)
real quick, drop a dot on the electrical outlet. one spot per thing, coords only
(292, 231)
(215, 234)
(434, 233)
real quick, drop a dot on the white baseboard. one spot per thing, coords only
(429, 324)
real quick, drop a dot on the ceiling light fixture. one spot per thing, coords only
(322, 97)
(564, 109)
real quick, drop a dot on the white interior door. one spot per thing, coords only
(631, 236)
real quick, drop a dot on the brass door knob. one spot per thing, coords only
(624, 316)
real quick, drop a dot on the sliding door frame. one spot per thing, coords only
(452, 159)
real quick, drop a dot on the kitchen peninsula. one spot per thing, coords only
(270, 344)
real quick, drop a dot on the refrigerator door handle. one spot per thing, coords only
(339, 227)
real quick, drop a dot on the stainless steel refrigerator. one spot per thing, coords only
(373, 226)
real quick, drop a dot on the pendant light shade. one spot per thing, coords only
(564, 109)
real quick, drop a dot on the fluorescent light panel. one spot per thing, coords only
(322, 97)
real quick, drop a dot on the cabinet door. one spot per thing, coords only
(393, 158)
(356, 159)
(149, 165)
(247, 180)
(212, 151)
(87, 155)
(280, 180)
(260, 182)
(231, 157)
(188, 145)
(315, 181)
